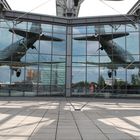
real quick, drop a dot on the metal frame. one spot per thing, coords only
(22, 16)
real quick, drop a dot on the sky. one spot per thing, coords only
(88, 7)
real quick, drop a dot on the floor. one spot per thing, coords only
(50, 118)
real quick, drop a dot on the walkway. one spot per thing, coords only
(47, 118)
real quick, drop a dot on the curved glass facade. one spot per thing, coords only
(47, 58)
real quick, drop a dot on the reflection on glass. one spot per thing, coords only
(133, 78)
(91, 29)
(108, 62)
(5, 81)
(78, 80)
(5, 42)
(111, 63)
(104, 59)
(6, 24)
(31, 60)
(132, 27)
(118, 28)
(79, 47)
(59, 48)
(92, 79)
(59, 29)
(108, 28)
(44, 82)
(93, 59)
(92, 47)
(121, 42)
(45, 47)
(47, 28)
(79, 30)
(79, 59)
(22, 25)
(133, 43)
(58, 79)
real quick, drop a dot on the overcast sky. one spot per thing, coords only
(88, 7)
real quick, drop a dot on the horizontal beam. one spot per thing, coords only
(22, 16)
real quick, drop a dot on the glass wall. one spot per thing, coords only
(32, 59)
(105, 60)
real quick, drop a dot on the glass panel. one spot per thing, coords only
(59, 47)
(31, 80)
(132, 27)
(92, 80)
(47, 28)
(79, 30)
(58, 79)
(6, 24)
(79, 47)
(78, 81)
(118, 28)
(92, 47)
(90, 29)
(45, 47)
(133, 77)
(58, 59)
(18, 83)
(108, 28)
(21, 25)
(105, 82)
(5, 38)
(79, 60)
(59, 29)
(120, 83)
(93, 61)
(120, 43)
(133, 43)
(5, 77)
(44, 80)
(5, 81)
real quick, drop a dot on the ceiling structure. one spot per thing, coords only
(4, 5)
(71, 8)
(68, 8)
(135, 10)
